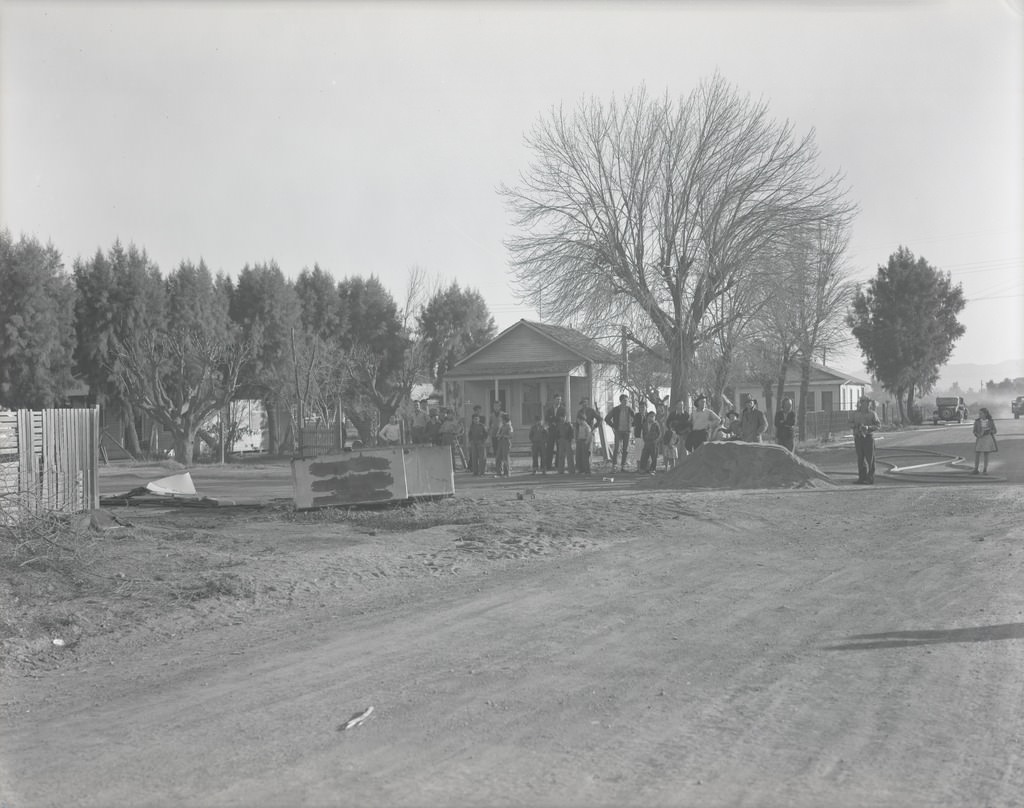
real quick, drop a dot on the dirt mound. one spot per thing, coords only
(734, 464)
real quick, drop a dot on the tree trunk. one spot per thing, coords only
(183, 448)
(681, 356)
(910, 399)
(131, 434)
(273, 428)
(904, 417)
(805, 385)
(362, 425)
(780, 385)
(184, 435)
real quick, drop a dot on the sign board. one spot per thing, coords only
(371, 476)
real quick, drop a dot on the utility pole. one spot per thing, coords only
(625, 358)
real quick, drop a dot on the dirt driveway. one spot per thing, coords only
(848, 647)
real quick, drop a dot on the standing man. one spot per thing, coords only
(478, 446)
(391, 432)
(554, 413)
(704, 422)
(590, 415)
(620, 419)
(753, 423)
(785, 422)
(865, 422)
(650, 433)
(419, 423)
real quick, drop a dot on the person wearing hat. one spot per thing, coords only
(620, 419)
(753, 423)
(864, 422)
(703, 421)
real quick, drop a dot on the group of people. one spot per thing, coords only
(673, 432)
(431, 428)
(563, 442)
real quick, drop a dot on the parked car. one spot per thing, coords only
(1017, 405)
(950, 408)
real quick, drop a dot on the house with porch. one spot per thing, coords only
(830, 390)
(525, 366)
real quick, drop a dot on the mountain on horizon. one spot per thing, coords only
(970, 376)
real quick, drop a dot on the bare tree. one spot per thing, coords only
(644, 213)
(736, 315)
(180, 377)
(822, 294)
(319, 369)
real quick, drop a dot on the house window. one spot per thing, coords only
(532, 407)
(826, 400)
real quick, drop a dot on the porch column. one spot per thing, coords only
(566, 397)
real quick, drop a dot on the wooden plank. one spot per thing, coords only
(350, 478)
(429, 471)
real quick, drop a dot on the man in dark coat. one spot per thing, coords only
(620, 419)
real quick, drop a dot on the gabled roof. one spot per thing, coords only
(575, 341)
(507, 370)
(819, 373)
(847, 378)
(569, 338)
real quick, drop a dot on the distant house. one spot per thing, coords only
(830, 390)
(526, 365)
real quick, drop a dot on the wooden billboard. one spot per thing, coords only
(373, 476)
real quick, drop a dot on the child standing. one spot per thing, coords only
(650, 431)
(582, 435)
(504, 445)
(671, 451)
(563, 445)
(538, 445)
(985, 439)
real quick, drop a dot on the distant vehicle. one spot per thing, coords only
(1017, 405)
(950, 408)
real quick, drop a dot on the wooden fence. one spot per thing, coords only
(49, 461)
(819, 425)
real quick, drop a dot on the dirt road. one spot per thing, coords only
(844, 648)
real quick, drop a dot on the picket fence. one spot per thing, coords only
(49, 461)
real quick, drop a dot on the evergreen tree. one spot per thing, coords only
(187, 369)
(37, 332)
(905, 322)
(266, 307)
(453, 324)
(120, 295)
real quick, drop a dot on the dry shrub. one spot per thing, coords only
(41, 540)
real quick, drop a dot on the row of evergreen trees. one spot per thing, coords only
(179, 346)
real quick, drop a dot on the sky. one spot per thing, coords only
(371, 138)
